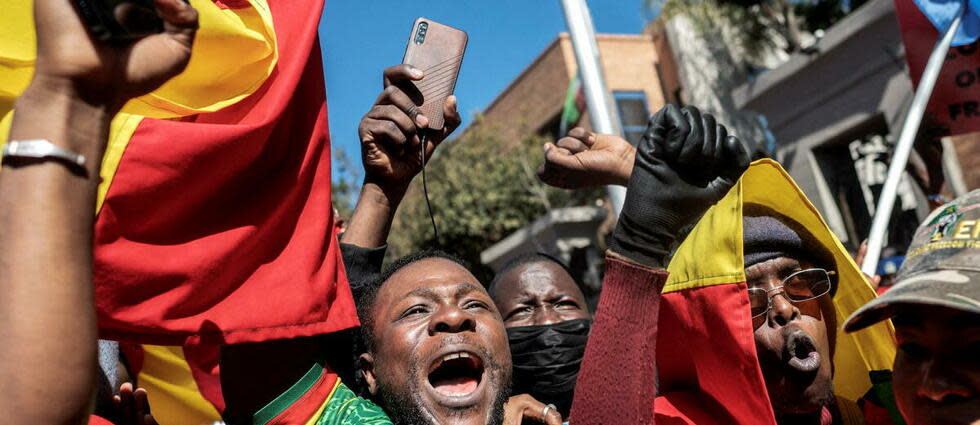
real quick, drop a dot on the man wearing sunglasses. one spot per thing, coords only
(790, 284)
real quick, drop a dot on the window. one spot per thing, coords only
(633, 114)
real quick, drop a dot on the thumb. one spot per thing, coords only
(559, 157)
(739, 156)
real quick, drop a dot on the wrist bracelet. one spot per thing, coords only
(42, 149)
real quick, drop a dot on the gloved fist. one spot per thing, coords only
(685, 163)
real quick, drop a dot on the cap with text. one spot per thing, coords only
(941, 268)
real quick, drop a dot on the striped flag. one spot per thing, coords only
(214, 218)
(711, 375)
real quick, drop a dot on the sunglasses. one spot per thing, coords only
(803, 285)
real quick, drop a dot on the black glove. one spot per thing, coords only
(685, 164)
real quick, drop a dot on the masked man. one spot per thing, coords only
(547, 323)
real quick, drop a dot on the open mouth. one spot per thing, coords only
(802, 353)
(457, 374)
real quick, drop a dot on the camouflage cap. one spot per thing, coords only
(941, 268)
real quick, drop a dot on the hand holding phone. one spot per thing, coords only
(437, 50)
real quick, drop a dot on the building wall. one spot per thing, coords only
(533, 101)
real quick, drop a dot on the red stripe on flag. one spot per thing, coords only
(218, 228)
(706, 359)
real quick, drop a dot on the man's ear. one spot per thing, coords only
(365, 362)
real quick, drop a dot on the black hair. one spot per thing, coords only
(368, 292)
(527, 258)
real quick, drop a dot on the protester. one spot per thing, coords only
(547, 324)
(390, 139)
(390, 135)
(789, 336)
(666, 193)
(935, 306)
(48, 326)
(435, 348)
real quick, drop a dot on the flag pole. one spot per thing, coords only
(602, 113)
(883, 212)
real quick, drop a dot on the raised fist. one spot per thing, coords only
(583, 159)
(685, 163)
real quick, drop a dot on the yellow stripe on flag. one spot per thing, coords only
(234, 53)
(172, 391)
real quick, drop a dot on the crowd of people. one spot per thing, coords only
(725, 298)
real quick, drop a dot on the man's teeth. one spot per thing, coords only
(453, 356)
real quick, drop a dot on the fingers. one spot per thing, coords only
(394, 95)
(526, 409)
(666, 133)
(451, 120)
(708, 155)
(572, 144)
(738, 156)
(403, 77)
(390, 124)
(557, 163)
(400, 74)
(179, 18)
(586, 137)
(690, 152)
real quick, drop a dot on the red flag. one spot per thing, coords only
(218, 227)
(955, 100)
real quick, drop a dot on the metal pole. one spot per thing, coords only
(876, 239)
(602, 111)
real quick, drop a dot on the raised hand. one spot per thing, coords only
(685, 163)
(584, 159)
(104, 73)
(391, 131)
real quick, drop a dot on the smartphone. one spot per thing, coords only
(437, 50)
(120, 20)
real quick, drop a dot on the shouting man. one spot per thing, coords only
(435, 347)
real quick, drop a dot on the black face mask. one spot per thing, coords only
(546, 360)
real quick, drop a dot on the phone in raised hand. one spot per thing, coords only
(437, 50)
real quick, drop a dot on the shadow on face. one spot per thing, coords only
(794, 349)
(937, 367)
(538, 293)
(440, 351)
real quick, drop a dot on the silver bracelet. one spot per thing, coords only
(42, 149)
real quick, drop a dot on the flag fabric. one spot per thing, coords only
(218, 216)
(182, 384)
(224, 198)
(214, 219)
(571, 111)
(954, 102)
(942, 12)
(714, 377)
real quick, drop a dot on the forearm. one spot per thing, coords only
(371, 221)
(617, 380)
(47, 314)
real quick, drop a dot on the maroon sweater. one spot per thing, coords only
(617, 381)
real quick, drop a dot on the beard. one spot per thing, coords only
(404, 405)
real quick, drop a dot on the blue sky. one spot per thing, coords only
(360, 38)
